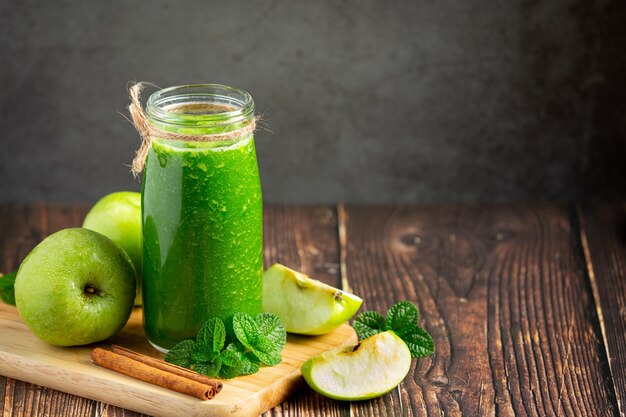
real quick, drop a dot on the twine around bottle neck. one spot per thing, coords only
(147, 132)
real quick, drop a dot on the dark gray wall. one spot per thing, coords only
(371, 101)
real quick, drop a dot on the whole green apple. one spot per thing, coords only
(76, 287)
(118, 217)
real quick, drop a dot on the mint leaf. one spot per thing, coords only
(402, 318)
(211, 336)
(232, 364)
(265, 336)
(250, 363)
(199, 356)
(211, 368)
(181, 353)
(420, 343)
(271, 331)
(267, 357)
(270, 340)
(7, 287)
(230, 358)
(368, 324)
(245, 329)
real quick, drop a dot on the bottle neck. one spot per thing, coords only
(201, 109)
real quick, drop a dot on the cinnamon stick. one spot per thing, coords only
(147, 373)
(168, 367)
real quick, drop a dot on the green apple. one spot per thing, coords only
(118, 217)
(305, 305)
(367, 370)
(76, 287)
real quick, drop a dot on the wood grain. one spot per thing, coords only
(503, 291)
(603, 235)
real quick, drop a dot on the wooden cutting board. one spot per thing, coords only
(23, 356)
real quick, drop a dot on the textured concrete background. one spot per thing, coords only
(368, 101)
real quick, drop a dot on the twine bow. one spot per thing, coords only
(147, 132)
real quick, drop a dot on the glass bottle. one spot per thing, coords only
(202, 212)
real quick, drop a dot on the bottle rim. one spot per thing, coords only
(224, 106)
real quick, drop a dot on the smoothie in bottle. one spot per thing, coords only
(202, 212)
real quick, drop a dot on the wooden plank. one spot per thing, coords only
(603, 234)
(305, 238)
(302, 237)
(503, 291)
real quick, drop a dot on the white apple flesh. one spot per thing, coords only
(76, 287)
(304, 305)
(367, 370)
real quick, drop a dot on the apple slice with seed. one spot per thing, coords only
(367, 370)
(305, 305)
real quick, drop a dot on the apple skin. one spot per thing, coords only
(75, 287)
(118, 217)
(371, 368)
(305, 305)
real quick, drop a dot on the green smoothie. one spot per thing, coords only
(203, 234)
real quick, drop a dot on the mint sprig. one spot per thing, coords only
(402, 319)
(7, 287)
(259, 340)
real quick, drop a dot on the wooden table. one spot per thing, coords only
(526, 302)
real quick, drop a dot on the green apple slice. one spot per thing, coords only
(367, 370)
(305, 305)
